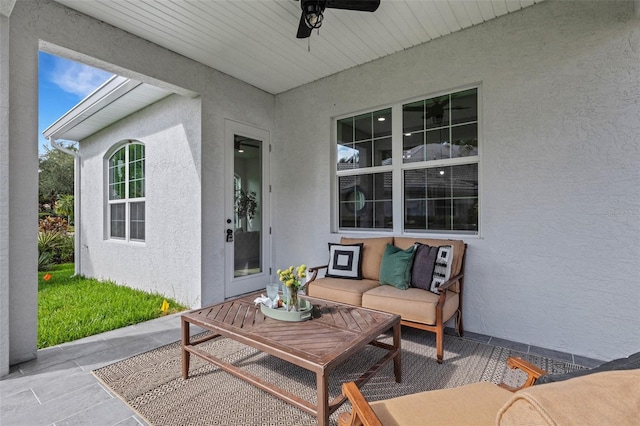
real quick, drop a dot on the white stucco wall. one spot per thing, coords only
(168, 262)
(23, 195)
(556, 264)
(33, 23)
(4, 194)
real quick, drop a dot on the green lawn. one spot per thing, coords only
(70, 308)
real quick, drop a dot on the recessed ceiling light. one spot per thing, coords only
(407, 134)
(381, 118)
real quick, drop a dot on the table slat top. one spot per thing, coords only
(334, 331)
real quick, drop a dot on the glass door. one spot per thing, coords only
(247, 232)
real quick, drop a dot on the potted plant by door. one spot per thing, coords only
(246, 206)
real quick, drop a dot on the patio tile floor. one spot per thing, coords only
(58, 388)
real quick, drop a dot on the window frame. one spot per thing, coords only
(398, 168)
(127, 201)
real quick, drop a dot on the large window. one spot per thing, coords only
(364, 171)
(126, 193)
(428, 164)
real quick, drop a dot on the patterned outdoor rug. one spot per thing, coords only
(151, 383)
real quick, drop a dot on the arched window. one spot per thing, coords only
(126, 193)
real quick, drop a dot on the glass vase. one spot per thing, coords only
(294, 300)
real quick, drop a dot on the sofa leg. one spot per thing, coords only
(459, 329)
(440, 345)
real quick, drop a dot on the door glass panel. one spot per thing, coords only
(247, 242)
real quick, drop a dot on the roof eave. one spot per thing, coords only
(104, 95)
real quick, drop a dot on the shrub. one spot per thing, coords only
(53, 224)
(67, 249)
(48, 245)
(54, 248)
(44, 261)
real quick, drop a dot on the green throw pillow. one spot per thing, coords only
(396, 266)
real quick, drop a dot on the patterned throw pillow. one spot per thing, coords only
(424, 262)
(395, 268)
(345, 261)
(442, 270)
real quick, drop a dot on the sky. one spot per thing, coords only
(61, 85)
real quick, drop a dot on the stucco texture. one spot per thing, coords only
(56, 29)
(168, 262)
(556, 262)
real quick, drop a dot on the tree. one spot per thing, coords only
(64, 207)
(55, 176)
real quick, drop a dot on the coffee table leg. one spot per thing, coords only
(322, 383)
(186, 355)
(397, 361)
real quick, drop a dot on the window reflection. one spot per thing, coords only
(365, 201)
(441, 198)
(364, 140)
(439, 189)
(441, 127)
(346, 154)
(248, 188)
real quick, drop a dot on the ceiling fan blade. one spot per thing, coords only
(361, 5)
(303, 30)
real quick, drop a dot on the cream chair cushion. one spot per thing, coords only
(412, 304)
(475, 404)
(611, 397)
(341, 290)
(372, 252)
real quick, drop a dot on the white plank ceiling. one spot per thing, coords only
(255, 40)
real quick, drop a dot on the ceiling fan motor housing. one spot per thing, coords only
(312, 11)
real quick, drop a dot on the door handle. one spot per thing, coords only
(229, 235)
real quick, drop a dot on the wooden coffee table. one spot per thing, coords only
(334, 334)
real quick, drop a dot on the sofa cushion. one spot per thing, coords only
(458, 252)
(628, 363)
(424, 261)
(412, 304)
(340, 290)
(396, 266)
(345, 261)
(609, 397)
(372, 252)
(473, 404)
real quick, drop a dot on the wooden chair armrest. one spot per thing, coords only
(533, 372)
(361, 414)
(443, 293)
(451, 281)
(314, 271)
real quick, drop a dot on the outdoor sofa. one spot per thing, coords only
(420, 279)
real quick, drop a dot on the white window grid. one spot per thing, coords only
(397, 167)
(122, 195)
